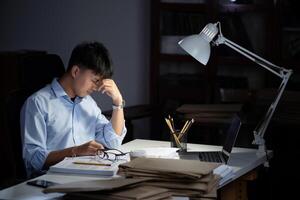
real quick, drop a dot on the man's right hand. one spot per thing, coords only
(87, 149)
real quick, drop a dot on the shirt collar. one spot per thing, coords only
(57, 89)
(60, 92)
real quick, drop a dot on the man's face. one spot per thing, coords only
(86, 82)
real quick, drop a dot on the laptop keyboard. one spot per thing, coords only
(211, 157)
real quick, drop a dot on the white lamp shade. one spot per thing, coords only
(197, 47)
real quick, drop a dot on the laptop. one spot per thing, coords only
(217, 156)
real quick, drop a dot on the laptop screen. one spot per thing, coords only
(232, 133)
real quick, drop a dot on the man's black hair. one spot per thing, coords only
(94, 56)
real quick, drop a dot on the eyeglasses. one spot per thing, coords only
(110, 154)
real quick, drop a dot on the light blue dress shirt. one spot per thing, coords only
(50, 121)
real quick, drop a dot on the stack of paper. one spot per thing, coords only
(149, 178)
(134, 193)
(181, 177)
(225, 172)
(114, 189)
(158, 152)
(85, 165)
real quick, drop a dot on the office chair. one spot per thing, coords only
(39, 70)
(14, 104)
(36, 71)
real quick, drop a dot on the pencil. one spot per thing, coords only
(177, 141)
(186, 128)
(91, 163)
(183, 128)
(172, 122)
(169, 125)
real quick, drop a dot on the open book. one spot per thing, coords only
(85, 165)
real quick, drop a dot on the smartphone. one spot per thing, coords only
(41, 183)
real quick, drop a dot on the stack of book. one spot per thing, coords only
(85, 165)
(149, 178)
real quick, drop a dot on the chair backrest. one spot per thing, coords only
(14, 103)
(36, 72)
(39, 70)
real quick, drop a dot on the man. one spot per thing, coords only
(62, 120)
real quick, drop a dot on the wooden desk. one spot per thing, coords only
(244, 162)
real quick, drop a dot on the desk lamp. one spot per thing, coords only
(198, 46)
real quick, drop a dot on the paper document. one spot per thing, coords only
(131, 193)
(225, 172)
(85, 165)
(95, 185)
(158, 152)
(191, 178)
(190, 168)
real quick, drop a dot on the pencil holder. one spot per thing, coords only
(179, 140)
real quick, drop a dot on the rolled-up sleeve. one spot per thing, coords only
(33, 129)
(106, 135)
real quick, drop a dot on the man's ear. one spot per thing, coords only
(75, 71)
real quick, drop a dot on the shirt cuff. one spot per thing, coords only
(111, 138)
(38, 158)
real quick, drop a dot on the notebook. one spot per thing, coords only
(85, 165)
(218, 156)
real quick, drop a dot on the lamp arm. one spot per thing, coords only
(260, 129)
(283, 73)
(279, 71)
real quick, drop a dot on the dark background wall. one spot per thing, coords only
(57, 26)
(124, 27)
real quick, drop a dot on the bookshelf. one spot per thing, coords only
(289, 39)
(176, 78)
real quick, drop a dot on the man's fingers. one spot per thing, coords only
(96, 145)
(89, 148)
(105, 89)
(101, 87)
(105, 86)
(94, 150)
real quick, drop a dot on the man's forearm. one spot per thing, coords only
(117, 120)
(57, 156)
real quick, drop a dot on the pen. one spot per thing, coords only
(91, 163)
